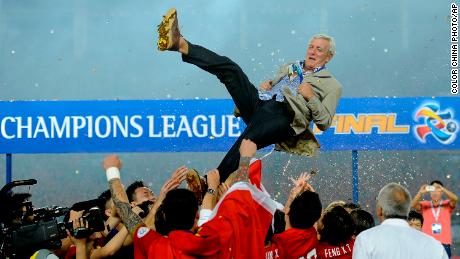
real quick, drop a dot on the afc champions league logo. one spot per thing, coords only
(440, 124)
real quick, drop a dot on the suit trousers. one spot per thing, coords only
(268, 122)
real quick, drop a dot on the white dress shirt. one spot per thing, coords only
(395, 239)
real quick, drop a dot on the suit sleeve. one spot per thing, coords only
(323, 111)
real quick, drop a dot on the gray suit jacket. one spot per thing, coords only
(319, 109)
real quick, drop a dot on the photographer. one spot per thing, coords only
(89, 244)
(26, 231)
(436, 212)
(117, 242)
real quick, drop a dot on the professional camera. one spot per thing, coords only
(24, 229)
(92, 215)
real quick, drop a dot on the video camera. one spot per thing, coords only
(92, 215)
(24, 229)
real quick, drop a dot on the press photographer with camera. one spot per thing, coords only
(90, 245)
(436, 212)
(94, 238)
(25, 229)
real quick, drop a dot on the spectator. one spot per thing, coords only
(415, 220)
(437, 212)
(394, 238)
(362, 220)
(336, 234)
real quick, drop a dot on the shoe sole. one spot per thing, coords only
(164, 30)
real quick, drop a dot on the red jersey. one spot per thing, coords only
(295, 243)
(236, 230)
(344, 251)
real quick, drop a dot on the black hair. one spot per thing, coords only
(106, 196)
(351, 206)
(131, 188)
(279, 225)
(177, 212)
(305, 210)
(12, 206)
(415, 215)
(338, 227)
(362, 220)
(438, 182)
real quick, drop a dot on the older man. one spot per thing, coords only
(279, 111)
(394, 238)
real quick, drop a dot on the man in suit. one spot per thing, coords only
(280, 110)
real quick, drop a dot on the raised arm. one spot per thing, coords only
(112, 165)
(451, 196)
(209, 200)
(176, 179)
(247, 150)
(418, 197)
(210, 197)
(300, 185)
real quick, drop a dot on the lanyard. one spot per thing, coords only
(437, 212)
(298, 69)
(317, 69)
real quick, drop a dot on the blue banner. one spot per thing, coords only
(209, 125)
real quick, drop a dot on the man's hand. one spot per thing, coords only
(267, 85)
(248, 148)
(221, 190)
(306, 90)
(112, 161)
(177, 177)
(423, 189)
(213, 179)
(301, 184)
(172, 183)
(78, 224)
(180, 174)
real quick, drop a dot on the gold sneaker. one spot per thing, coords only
(168, 29)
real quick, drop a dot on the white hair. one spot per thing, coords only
(329, 39)
(394, 199)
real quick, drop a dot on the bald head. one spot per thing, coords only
(394, 200)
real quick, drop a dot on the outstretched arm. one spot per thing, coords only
(176, 179)
(452, 197)
(247, 150)
(300, 185)
(418, 197)
(210, 198)
(112, 164)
